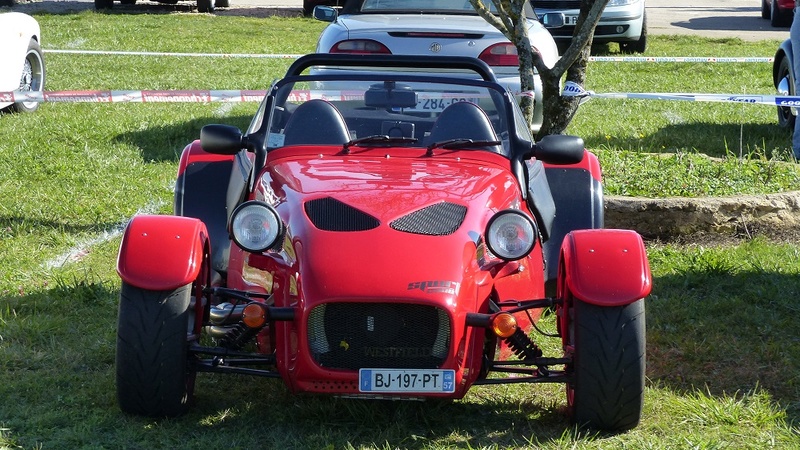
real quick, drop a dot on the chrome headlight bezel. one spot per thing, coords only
(256, 227)
(513, 224)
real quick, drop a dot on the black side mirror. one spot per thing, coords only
(325, 13)
(553, 20)
(558, 149)
(223, 139)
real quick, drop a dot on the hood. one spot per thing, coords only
(382, 225)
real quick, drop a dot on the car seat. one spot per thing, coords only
(464, 120)
(316, 122)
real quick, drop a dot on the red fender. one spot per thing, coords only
(606, 267)
(162, 252)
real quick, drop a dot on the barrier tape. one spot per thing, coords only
(572, 89)
(639, 59)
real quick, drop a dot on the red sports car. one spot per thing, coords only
(381, 233)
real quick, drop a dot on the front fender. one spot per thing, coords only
(162, 252)
(605, 267)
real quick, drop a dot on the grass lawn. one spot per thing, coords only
(723, 353)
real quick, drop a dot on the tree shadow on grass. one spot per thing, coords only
(722, 330)
(164, 143)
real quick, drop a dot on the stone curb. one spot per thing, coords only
(671, 217)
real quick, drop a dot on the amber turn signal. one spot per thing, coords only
(254, 315)
(504, 325)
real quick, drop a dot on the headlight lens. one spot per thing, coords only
(511, 234)
(256, 227)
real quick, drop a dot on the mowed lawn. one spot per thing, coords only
(723, 350)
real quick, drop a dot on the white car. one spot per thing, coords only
(622, 21)
(432, 27)
(21, 60)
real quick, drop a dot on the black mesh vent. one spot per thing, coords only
(378, 335)
(329, 214)
(440, 219)
(556, 4)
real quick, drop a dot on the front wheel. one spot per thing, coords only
(785, 83)
(32, 78)
(103, 4)
(608, 369)
(154, 376)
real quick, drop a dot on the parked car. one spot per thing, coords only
(783, 79)
(308, 5)
(779, 12)
(392, 239)
(432, 27)
(203, 6)
(22, 67)
(622, 21)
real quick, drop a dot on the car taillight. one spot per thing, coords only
(360, 46)
(503, 54)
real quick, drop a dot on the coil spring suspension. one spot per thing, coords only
(523, 346)
(238, 337)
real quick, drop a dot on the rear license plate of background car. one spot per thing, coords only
(406, 381)
(438, 104)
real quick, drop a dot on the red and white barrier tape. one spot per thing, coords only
(233, 96)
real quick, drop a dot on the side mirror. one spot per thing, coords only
(553, 20)
(558, 149)
(325, 13)
(222, 139)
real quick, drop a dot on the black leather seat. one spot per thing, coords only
(316, 122)
(464, 120)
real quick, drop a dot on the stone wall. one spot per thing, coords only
(663, 218)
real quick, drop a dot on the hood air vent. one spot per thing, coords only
(440, 219)
(329, 214)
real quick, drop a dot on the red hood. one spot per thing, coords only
(387, 184)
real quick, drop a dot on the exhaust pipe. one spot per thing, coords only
(226, 314)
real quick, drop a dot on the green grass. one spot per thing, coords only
(723, 354)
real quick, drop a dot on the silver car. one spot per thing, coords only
(622, 21)
(432, 27)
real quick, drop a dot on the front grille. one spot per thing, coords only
(329, 214)
(378, 335)
(439, 219)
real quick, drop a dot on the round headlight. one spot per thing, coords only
(256, 227)
(511, 234)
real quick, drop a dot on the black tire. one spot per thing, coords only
(103, 4)
(32, 78)
(778, 18)
(765, 14)
(607, 391)
(205, 6)
(128, 2)
(638, 46)
(154, 377)
(785, 117)
(222, 4)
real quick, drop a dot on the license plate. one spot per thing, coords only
(408, 381)
(439, 103)
(570, 20)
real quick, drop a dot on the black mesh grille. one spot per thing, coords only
(378, 335)
(329, 214)
(440, 219)
(557, 4)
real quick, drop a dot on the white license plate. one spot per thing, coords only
(438, 104)
(409, 381)
(570, 20)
